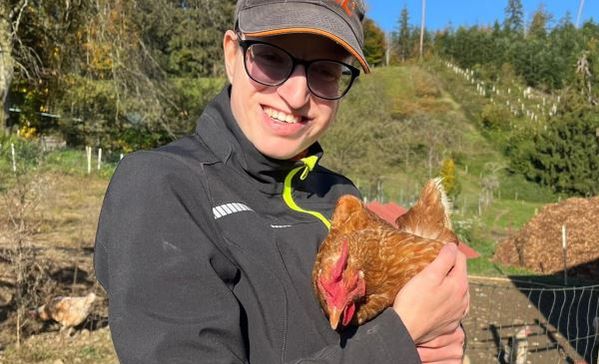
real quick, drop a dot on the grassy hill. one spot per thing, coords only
(435, 109)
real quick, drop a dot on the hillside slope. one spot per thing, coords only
(404, 122)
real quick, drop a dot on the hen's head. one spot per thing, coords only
(341, 285)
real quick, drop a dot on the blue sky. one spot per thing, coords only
(439, 13)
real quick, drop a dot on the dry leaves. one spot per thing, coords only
(538, 246)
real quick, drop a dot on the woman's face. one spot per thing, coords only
(281, 121)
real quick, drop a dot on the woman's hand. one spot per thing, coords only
(448, 348)
(434, 302)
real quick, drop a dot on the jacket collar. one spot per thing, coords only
(220, 132)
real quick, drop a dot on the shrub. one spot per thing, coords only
(495, 117)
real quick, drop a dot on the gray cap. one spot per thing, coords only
(339, 20)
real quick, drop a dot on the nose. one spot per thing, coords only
(295, 90)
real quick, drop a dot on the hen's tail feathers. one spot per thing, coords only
(438, 193)
(429, 217)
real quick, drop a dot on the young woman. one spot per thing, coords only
(205, 246)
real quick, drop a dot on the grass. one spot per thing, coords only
(51, 348)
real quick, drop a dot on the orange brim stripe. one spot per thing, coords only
(331, 36)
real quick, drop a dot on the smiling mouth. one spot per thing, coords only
(282, 116)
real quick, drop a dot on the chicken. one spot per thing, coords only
(365, 261)
(67, 311)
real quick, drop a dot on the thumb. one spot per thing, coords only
(444, 262)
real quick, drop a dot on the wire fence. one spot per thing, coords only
(513, 321)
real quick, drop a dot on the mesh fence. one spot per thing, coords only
(513, 321)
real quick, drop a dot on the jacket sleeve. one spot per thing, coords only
(170, 287)
(381, 340)
(168, 301)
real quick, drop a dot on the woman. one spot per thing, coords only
(205, 246)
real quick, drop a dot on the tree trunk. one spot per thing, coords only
(6, 63)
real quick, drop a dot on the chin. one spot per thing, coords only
(279, 152)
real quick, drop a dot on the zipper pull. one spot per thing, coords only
(309, 164)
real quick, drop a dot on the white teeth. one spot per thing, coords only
(281, 116)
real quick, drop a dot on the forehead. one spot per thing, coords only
(309, 46)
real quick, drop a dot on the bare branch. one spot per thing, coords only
(17, 22)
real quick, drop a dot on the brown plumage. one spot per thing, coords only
(365, 261)
(67, 311)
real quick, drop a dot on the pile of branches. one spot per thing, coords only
(538, 246)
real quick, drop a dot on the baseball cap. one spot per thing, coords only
(338, 20)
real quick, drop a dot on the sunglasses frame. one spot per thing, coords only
(245, 44)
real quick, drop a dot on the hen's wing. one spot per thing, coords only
(389, 258)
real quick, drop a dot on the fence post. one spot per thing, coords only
(88, 151)
(99, 158)
(596, 341)
(565, 250)
(14, 160)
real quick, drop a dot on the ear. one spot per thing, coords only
(231, 49)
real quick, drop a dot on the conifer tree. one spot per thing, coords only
(404, 38)
(514, 17)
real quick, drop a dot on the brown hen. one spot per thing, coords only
(365, 261)
(67, 311)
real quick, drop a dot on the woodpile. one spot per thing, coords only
(538, 246)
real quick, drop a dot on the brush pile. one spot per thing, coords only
(538, 246)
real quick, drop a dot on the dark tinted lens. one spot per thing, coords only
(329, 79)
(267, 64)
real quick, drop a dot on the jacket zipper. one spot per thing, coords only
(309, 164)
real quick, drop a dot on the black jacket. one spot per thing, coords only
(204, 261)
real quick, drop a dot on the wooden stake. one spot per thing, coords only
(88, 151)
(14, 160)
(99, 158)
(565, 250)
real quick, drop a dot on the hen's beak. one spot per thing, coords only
(334, 317)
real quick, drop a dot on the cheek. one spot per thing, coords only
(328, 112)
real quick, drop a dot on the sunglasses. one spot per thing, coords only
(270, 65)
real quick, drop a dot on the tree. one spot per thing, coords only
(450, 178)
(540, 19)
(514, 17)
(10, 22)
(564, 156)
(374, 43)
(195, 45)
(40, 43)
(404, 40)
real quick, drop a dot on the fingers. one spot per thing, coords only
(456, 336)
(447, 348)
(444, 262)
(460, 267)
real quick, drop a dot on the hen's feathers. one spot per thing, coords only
(429, 217)
(67, 311)
(388, 256)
